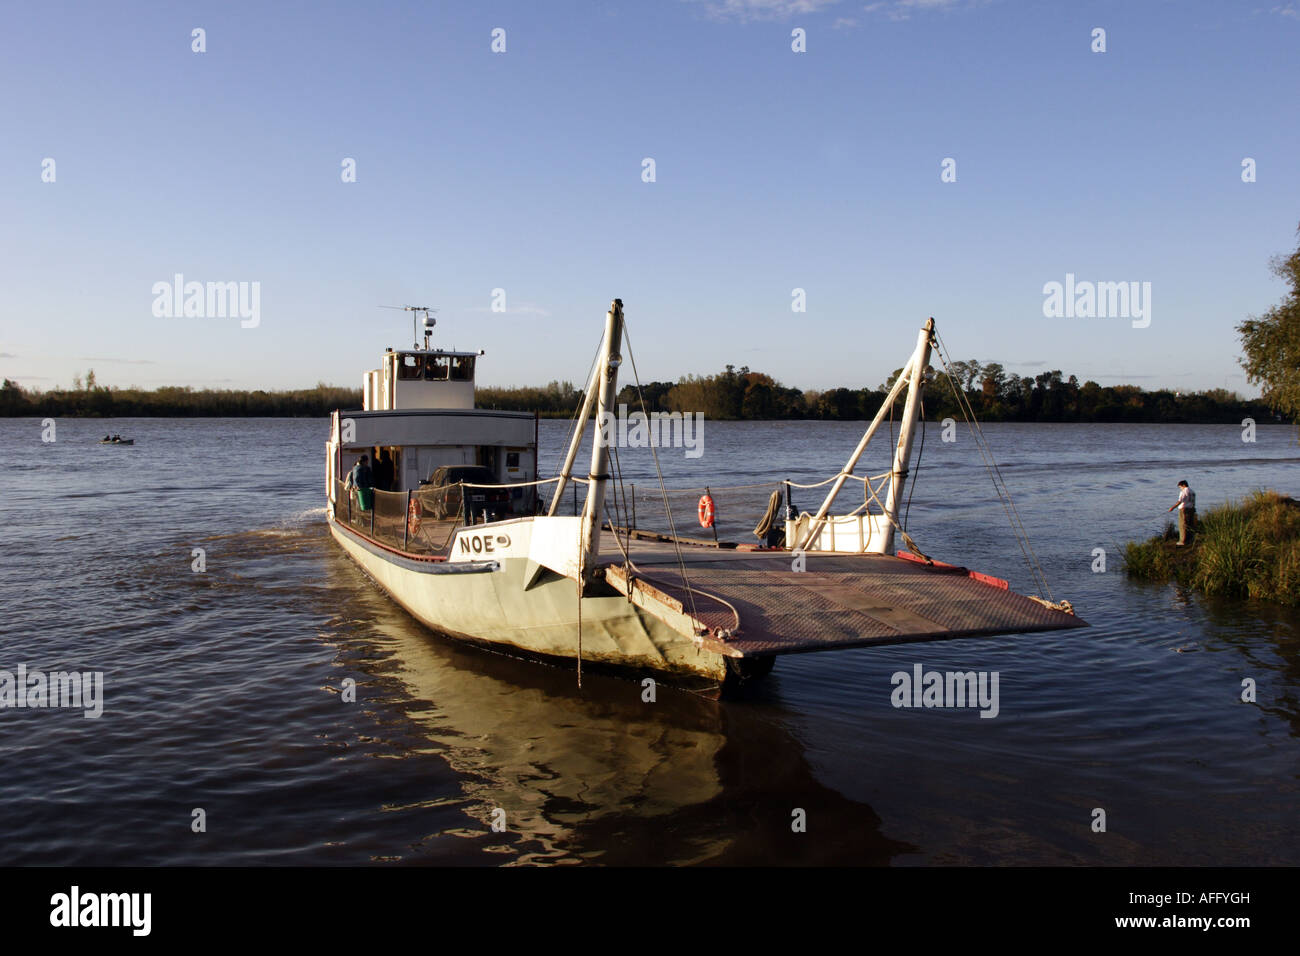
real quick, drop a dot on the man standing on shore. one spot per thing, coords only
(1186, 505)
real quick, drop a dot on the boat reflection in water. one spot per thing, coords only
(598, 774)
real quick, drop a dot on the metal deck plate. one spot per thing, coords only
(841, 600)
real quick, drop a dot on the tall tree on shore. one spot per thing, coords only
(1272, 343)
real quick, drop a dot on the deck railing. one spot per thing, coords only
(390, 519)
(423, 520)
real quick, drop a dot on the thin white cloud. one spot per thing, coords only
(116, 361)
(171, 382)
(1287, 10)
(1133, 378)
(904, 9)
(746, 10)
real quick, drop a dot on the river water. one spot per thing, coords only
(222, 686)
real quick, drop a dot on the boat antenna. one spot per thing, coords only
(429, 321)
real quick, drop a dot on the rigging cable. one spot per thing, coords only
(573, 425)
(582, 394)
(919, 455)
(663, 491)
(995, 474)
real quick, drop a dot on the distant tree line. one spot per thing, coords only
(993, 394)
(735, 394)
(556, 400)
(89, 399)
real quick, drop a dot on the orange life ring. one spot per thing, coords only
(707, 511)
(413, 513)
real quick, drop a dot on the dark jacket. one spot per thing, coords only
(361, 476)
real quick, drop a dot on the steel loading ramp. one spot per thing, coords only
(753, 604)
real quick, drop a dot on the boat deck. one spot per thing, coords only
(754, 604)
(751, 603)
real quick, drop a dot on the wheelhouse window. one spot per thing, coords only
(435, 368)
(410, 367)
(462, 368)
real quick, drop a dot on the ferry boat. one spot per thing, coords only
(463, 533)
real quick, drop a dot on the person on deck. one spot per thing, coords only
(362, 479)
(383, 471)
(1186, 505)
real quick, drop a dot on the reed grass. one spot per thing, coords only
(1247, 548)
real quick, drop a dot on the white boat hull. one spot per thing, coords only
(508, 601)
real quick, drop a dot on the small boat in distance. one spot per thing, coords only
(456, 531)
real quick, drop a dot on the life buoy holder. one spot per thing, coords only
(707, 511)
(413, 515)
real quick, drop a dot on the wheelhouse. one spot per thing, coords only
(418, 416)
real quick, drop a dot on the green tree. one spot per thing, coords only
(1272, 343)
(993, 378)
(12, 400)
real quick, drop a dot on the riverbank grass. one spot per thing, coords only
(1248, 548)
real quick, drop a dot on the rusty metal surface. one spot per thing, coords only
(839, 601)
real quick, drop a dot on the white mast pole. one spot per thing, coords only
(911, 412)
(607, 373)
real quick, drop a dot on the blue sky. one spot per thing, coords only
(522, 170)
